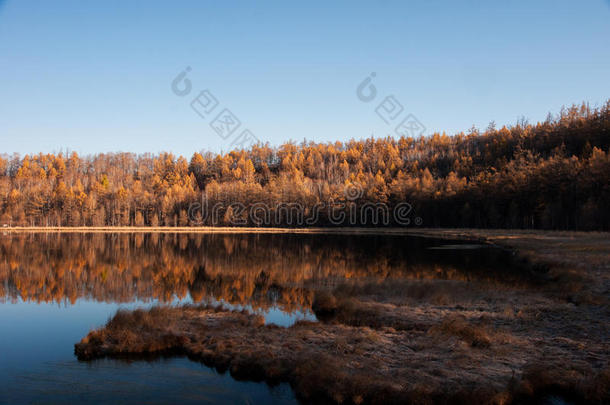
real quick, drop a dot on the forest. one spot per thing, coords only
(549, 175)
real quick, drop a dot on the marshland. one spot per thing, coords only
(423, 316)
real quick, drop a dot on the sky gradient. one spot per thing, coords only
(96, 76)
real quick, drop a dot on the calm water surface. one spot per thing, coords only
(54, 288)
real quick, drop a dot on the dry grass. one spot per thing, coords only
(474, 335)
(346, 310)
(456, 361)
(410, 341)
(575, 385)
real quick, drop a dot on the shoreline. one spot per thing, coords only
(445, 233)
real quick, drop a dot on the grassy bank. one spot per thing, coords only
(400, 341)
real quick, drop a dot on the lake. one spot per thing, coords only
(54, 288)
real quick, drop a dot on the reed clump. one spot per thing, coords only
(338, 363)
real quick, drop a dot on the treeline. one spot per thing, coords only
(552, 175)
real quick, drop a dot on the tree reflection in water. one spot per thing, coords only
(258, 270)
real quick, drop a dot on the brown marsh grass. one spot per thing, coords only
(457, 361)
(425, 342)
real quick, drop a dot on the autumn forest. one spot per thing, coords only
(550, 175)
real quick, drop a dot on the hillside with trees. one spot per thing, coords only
(550, 175)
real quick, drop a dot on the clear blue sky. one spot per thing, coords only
(95, 76)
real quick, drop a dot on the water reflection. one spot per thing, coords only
(55, 287)
(261, 271)
(37, 365)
